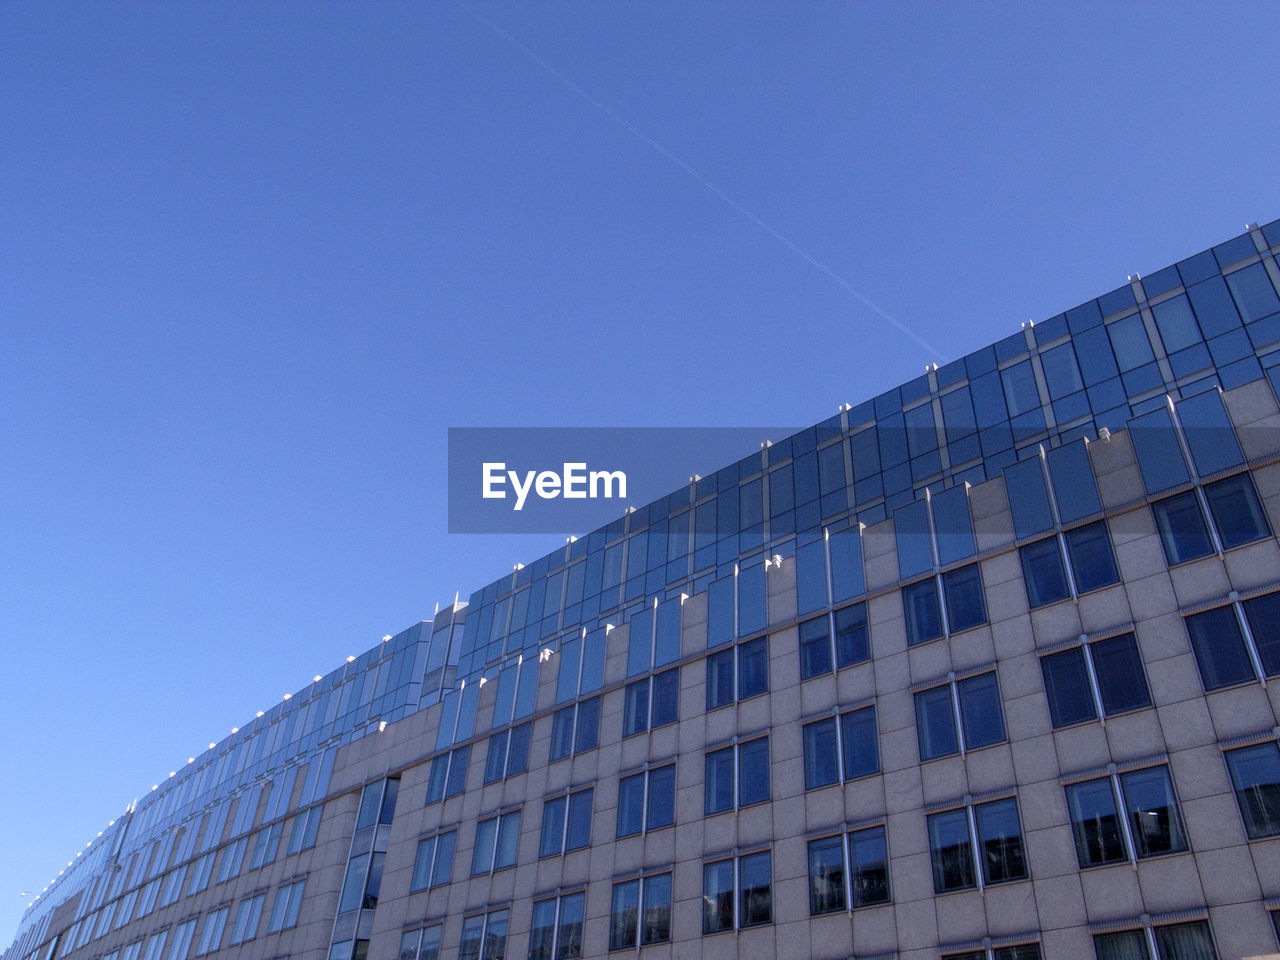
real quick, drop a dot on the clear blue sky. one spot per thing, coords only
(256, 258)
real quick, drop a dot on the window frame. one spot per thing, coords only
(1094, 679)
(978, 863)
(434, 864)
(646, 801)
(830, 640)
(837, 721)
(849, 893)
(520, 734)
(555, 950)
(738, 892)
(1121, 809)
(941, 581)
(577, 740)
(649, 685)
(500, 821)
(452, 779)
(1230, 757)
(734, 749)
(566, 800)
(286, 905)
(736, 653)
(958, 714)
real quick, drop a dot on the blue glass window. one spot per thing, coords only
(952, 525)
(1253, 293)
(1255, 775)
(1176, 323)
(1158, 451)
(965, 605)
(1071, 475)
(1214, 307)
(846, 564)
(1092, 561)
(1028, 497)
(1219, 647)
(1020, 388)
(922, 611)
(1183, 533)
(1209, 433)
(915, 546)
(1043, 572)
(1237, 514)
(1061, 374)
(1129, 341)
(811, 577)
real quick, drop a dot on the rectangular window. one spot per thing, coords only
(508, 753)
(556, 929)
(1173, 941)
(1102, 678)
(302, 834)
(247, 917)
(183, 934)
(1237, 513)
(575, 729)
(1093, 563)
(211, 933)
(497, 840)
(232, 860)
(1255, 775)
(484, 936)
(433, 862)
(737, 893)
(851, 868)
(1183, 532)
(265, 846)
(284, 909)
(1224, 653)
(1043, 572)
(641, 912)
(738, 673)
(421, 944)
(201, 872)
(843, 748)
(988, 834)
(155, 946)
(448, 776)
(1021, 951)
(928, 617)
(173, 885)
(959, 716)
(737, 776)
(1151, 824)
(566, 823)
(647, 800)
(651, 702)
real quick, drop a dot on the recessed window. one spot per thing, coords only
(496, 844)
(840, 748)
(1103, 678)
(1255, 776)
(306, 825)
(566, 823)
(975, 700)
(1021, 951)
(1044, 573)
(433, 862)
(922, 611)
(487, 931)
(448, 776)
(956, 850)
(266, 843)
(575, 729)
(647, 800)
(737, 776)
(821, 645)
(211, 934)
(421, 944)
(1222, 649)
(850, 868)
(651, 702)
(641, 912)
(737, 892)
(1183, 532)
(738, 673)
(248, 916)
(1151, 824)
(508, 753)
(1173, 941)
(1093, 563)
(1236, 511)
(556, 929)
(923, 605)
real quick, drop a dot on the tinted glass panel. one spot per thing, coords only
(935, 723)
(1219, 648)
(915, 548)
(980, 710)
(1154, 821)
(1183, 533)
(1000, 841)
(1073, 485)
(950, 851)
(1255, 775)
(861, 749)
(1121, 681)
(1066, 684)
(821, 766)
(815, 648)
(1236, 511)
(1176, 323)
(869, 866)
(1263, 614)
(1043, 573)
(720, 678)
(1253, 293)
(922, 611)
(965, 605)
(853, 645)
(753, 772)
(1209, 433)
(753, 668)
(1092, 562)
(1092, 808)
(953, 527)
(1028, 497)
(826, 875)
(756, 901)
(1158, 450)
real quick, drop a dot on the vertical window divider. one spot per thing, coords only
(737, 887)
(1062, 538)
(847, 846)
(1150, 934)
(736, 570)
(1094, 689)
(974, 846)
(933, 553)
(1250, 644)
(839, 744)
(955, 712)
(1122, 814)
(830, 614)
(1195, 475)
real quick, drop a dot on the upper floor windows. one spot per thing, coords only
(1088, 563)
(285, 907)
(248, 916)
(1232, 504)
(1237, 643)
(1170, 941)
(575, 729)
(556, 929)
(651, 702)
(423, 944)
(305, 826)
(497, 843)
(737, 892)
(641, 912)
(566, 823)
(738, 672)
(840, 748)
(1019, 951)
(433, 861)
(508, 753)
(944, 604)
(1098, 679)
(448, 775)
(484, 936)
(211, 934)
(959, 716)
(976, 845)
(1255, 776)
(840, 639)
(1149, 826)
(848, 870)
(647, 800)
(737, 776)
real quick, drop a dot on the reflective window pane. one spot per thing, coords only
(980, 710)
(1237, 513)
(868, 867)
(922, 611)
(1000, 841)
(853, 644)
(935, 723)
(1066, 685)
(965, 604)
(826, 875)
(1092, 808)
(1043, 572)
(1255, 775)
(1122, 683)
(861, 749)
(1219, 647)
(1183, 533)
(1154, 821)
(950, 851)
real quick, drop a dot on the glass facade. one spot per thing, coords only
(783, 555)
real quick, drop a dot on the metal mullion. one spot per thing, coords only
(649, 718)
(1066, 563)
(942, 604)
(826, 564)
(974, 848)
(564, 826)
(839, 746)
(955, 712)
(1249, 643)
(1094, 688)
(1122, 814)
(1152, 949)
(644, 811)
(1208, 518)
(737, 887)
(640, 894)
(737, 775)
(555, 926)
